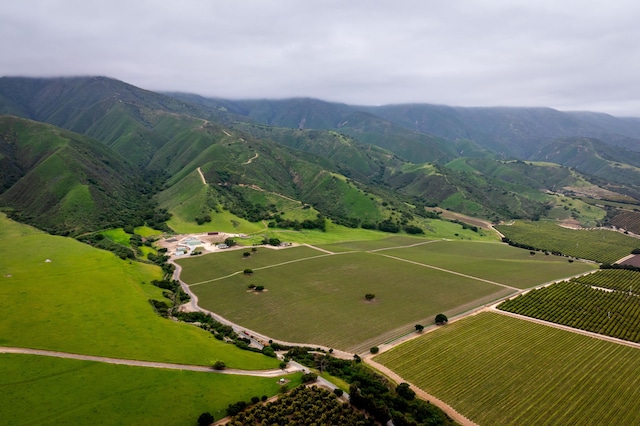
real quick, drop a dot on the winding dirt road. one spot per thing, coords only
(292, 368)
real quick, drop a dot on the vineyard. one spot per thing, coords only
(606, 302)
(629, 220)
(593, 244)
(496, 369)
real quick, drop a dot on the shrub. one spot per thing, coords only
(441, 319)
(374, 350)
(205, 419)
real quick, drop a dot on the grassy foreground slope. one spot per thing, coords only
(496, 369)
(54, 391)
(89, 301)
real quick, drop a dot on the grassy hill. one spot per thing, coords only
(355, 165)
(64, 182)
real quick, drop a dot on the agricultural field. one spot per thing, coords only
(64, 391)
(598, 245)
(59, 294)
(321, 300)
(316, 297)
(493, 261)
(218, 265)
(628, 220)
(606, 302)
(496, 369)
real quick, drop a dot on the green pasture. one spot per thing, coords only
(146, 232)
(566, 208)
(598, 245)
(493, 261)
(118, 235)
(321, 299)
(54, 391)
(89, 301)
(221, 222)
(496, 369)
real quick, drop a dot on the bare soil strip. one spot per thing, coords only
(204, 181)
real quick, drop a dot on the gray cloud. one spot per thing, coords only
(568, 55)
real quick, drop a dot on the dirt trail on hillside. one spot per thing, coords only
(204, 181)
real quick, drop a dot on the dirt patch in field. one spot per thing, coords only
(633, 261)
(480, 223)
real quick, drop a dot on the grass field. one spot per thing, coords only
(598, 245)
(500, 370)
(118, 236)
(53, 391)
(89, 301)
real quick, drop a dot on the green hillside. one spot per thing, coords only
(64, 182)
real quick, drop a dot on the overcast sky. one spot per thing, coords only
(565, 54)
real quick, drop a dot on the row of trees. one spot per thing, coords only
(372, 392)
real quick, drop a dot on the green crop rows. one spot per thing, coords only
(598, 245)
(585, 304)
(498, 370)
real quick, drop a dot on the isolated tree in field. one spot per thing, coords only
(254, 249)
(374, 350)
(205, 419)
(246, 254)
(441, 319)
(369, 296)
(419, 328)
(219, 365)
(259, 288)
(248, 271)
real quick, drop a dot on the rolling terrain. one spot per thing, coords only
(377, 194)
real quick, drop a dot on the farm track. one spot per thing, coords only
(149, 364)
(204, 181)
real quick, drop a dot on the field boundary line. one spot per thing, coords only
(449, 410)
(452, 272)
(403, 247)
(494, 308)
(318, 248)
(266, 267)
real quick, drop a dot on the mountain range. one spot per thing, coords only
(87, 153)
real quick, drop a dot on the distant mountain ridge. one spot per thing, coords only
(356, 165)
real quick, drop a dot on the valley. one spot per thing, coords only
(127, 216)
